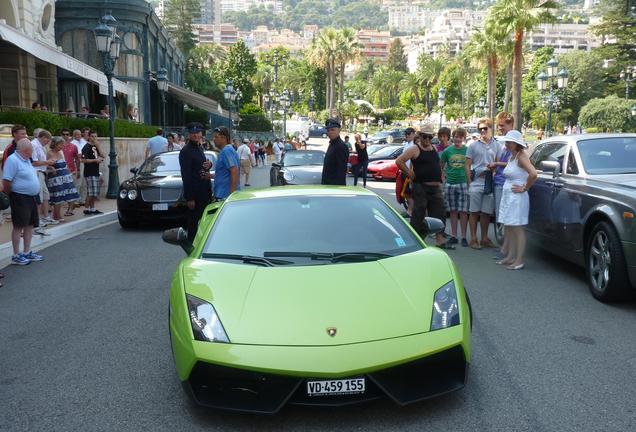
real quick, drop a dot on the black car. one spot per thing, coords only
(317, 131)
(301, 167)
(393, 136)
(155, 192)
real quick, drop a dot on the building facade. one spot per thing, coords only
(375, 45)
(563, 38)
(146, 47)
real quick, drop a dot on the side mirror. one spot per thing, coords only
(134, 170)
(179, 237)
(434, 225)
(551, 167)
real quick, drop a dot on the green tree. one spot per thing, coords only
(517, 17)
(202, 70)
(610, 114)
(348, 51)
(483, 48)
(253, 118)
(178, 18)
(397, 59)
(239, 66)
(586, 80)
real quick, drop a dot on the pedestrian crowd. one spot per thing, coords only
(42, 175)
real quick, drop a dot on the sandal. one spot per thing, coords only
(446, 245)
(69, 213)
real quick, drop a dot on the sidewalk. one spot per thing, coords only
(72, 226)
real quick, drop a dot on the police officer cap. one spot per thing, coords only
(195, 127)
(332, 123)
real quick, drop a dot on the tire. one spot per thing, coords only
(125, 224)
(605, 264)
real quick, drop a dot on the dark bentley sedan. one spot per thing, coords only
(301, 167)
(583, 207)
(155, 192)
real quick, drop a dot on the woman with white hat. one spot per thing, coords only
(515, 203)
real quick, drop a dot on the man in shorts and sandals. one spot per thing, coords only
(456, 185)
(91, 158)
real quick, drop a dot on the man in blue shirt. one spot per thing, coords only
(20, 181)
(226, 172)
(156, 144)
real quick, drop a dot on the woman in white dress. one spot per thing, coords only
(515, 203)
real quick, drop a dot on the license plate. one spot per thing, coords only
(160, 207)
(336, 387)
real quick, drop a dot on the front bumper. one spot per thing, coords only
(141, 211)
(244, 390)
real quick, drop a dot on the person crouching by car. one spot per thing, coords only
(425, 174)
(195, 174)
(334, 168)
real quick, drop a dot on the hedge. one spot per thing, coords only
(54, 122)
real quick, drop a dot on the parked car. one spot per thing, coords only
(282, 301)
(583, 207)
(388, 152)
(383, 169)
(155, 192)
(317, 131)
(393, 136)
(302, 167)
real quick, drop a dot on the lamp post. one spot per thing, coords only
(162, 85)
(229, 95)
(312, 98)
(286, 103)
(441, 101)
(629, 76)
(108, 44)
(481, 107)
(546, 83)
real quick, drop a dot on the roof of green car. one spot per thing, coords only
(286, 191)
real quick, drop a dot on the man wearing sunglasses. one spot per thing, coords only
(482, 204)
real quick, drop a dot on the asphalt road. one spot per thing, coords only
(84, 346)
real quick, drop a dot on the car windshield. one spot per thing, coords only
(379, 135)
(608, 155)
(303, 158)
(374, 148)
(386, 151)
(310, 227)
(167, 162)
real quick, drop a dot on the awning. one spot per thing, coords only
(51, 55)
(199, 101)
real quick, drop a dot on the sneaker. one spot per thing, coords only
(41, 231)
(43, 223)
(88, 212)
(32, 256)
(96, 212)
(19, 259)
(453, 240)
(464, 242)
(50, 221)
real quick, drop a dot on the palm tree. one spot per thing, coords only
(411, 85)
(348, 50)
(429, 69)
(518, 17)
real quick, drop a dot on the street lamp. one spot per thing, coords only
(629, 75)
(547, 82)
(441, 101)
(229, 95)
(312, 97)
(162, 85)
(286, 103)
(108, 44)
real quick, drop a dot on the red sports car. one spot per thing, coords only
(384, 169)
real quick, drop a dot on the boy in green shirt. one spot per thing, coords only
(453, 160)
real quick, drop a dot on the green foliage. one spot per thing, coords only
(397, 59)
(253, 118)
(178, 19)
(586, 80)
(239, 66)
(54, 122)
(392, 114)
(196, 115)
(611, 114)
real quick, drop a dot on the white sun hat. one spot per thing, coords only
(515, 137)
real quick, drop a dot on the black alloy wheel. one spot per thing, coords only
(605, 264)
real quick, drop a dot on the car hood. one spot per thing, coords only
(294, 306)
(381, 162)
(162, 180)
(627, 180)
(305, 174)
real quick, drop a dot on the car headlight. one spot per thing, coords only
(389, 139)
(206, 324)
(288, 176)
(123, 193)
(132, 194)
(445, 308)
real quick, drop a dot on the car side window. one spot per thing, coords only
(572, 166)
(551, 151)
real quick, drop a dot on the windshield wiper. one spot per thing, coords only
(247, 259)
(333, 257)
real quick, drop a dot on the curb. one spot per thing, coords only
(59, 233)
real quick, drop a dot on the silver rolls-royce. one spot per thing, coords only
(583, 207)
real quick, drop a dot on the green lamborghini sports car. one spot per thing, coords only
(314, 295)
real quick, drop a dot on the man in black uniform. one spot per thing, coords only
(195, 174)
(334, 169)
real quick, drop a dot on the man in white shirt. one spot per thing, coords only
(278, 150)
(41, 163)
(78, 140)
(245, 156)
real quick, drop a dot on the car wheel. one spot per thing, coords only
(126, 224)
(605, 264)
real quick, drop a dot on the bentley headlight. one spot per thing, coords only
(445, 309)
(206, 324)
(132, 194)
(288, 176)
(123, 193)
